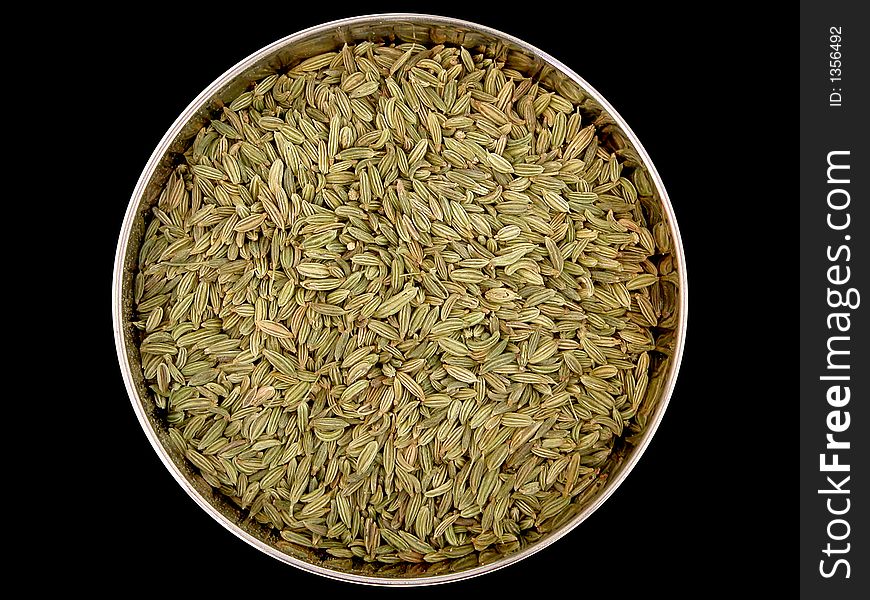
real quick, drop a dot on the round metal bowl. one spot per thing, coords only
(615, 137)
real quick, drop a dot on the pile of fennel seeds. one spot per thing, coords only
(398, 304)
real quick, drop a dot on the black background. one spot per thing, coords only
(823, 129)
(701, 513)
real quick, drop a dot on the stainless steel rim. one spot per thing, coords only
(117, 306)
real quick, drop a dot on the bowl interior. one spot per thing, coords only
(281, 56)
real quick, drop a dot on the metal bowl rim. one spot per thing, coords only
(118, 317)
